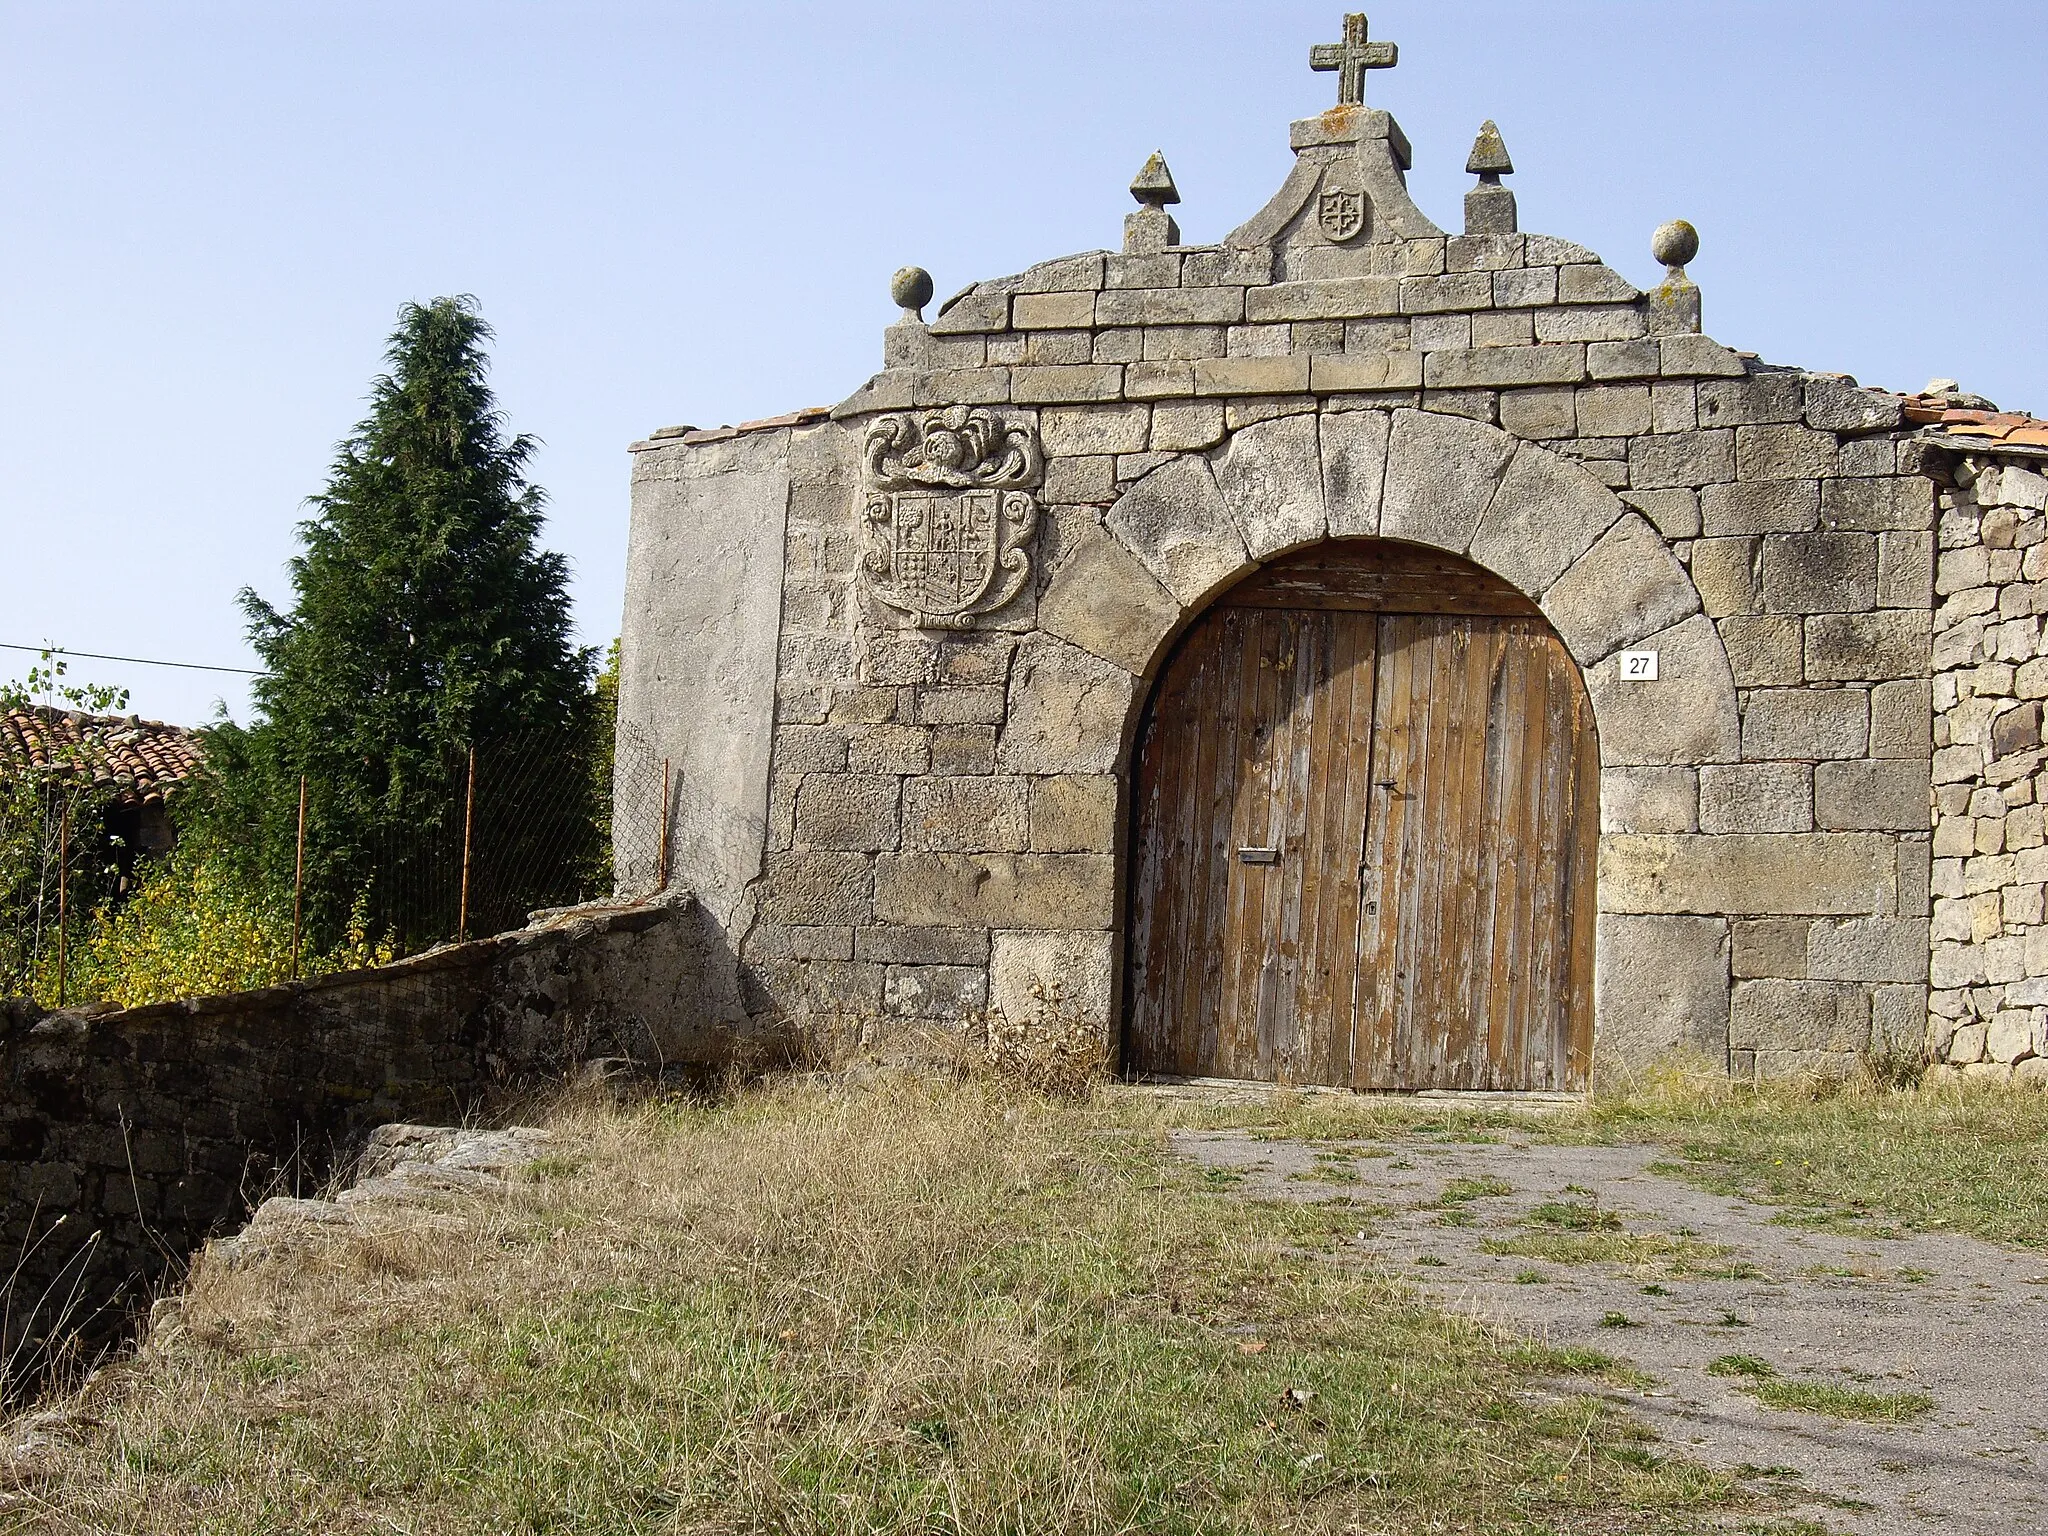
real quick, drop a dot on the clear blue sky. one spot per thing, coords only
(689, 213)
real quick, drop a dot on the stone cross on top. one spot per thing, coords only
(1351, 59)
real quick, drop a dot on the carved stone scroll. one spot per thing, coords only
(949, 513)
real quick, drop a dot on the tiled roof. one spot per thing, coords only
(143, 759)
(1965, 421)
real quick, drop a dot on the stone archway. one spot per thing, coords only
(1120, 593)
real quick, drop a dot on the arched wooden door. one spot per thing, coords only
(1366, 816)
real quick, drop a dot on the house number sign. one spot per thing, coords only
(1639, 666)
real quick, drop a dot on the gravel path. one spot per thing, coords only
(1950, 1317)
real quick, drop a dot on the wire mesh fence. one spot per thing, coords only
(484, 836)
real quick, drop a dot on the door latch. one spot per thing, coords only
(1258, 855)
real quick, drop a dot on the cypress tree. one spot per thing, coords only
(426, 618)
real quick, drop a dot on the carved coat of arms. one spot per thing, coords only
(949, 513)
(1342, 210)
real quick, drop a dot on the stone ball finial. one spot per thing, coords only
(911, 288)
(1675, 243)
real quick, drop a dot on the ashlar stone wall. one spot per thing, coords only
(946, 819)
(1989, 1009)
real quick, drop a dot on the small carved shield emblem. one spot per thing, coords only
(1341, 213)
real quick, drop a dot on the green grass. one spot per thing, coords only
(1759, 1379)
(908, 1308)
(1860, 1158)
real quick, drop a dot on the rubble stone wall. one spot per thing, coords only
(1989, 1008)
(129, 1137)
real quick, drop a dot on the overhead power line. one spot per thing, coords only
(140, 661)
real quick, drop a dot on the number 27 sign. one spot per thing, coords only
(1639, 666)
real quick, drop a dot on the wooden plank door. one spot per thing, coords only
(1475, 961)
(1363, 836)
(1245, 931)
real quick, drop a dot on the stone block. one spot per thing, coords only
(1800, 1015)
(1895, 504)
(1846, 647)
(1483, 250)
(1442, 472)
(1593, 283)
(1760, 506)
(1186, 424)
(1078, 382)
(1819, 572)
(973, 312)
(1772, 874)
(1170, 306)
(1271, 476)
(1905, 570)
(1649, 800)
(1756, 797)
(1179, 344)
(1149, 266)
(1525, 288)
(1053, 347)
(1341, 298)
(1260, 341)
(973, 814)
(1614, 410)
(1226, 265)
(1354, 456)
(1365, 372)
(889, 749)
(1660, 984)
(1697, 357)
(996, 890)
(1675, 513)
(817, 888)
(1538, 413)
(1102, 599)
(1762, 397)
(1053, 311)
(1067, 710)
(1070, 976)
(961, 386)
(2009, 1035)
(1503, 328)
(1727, 572)
(1503, 367)
(1674, 407)
(1062, 274)
(1075, 813)
(2017, 729)
(1612, 322)
(960, 706)
(1901, 719)
(904, 945)
(1783, 451)
(1836, 406)
(1251, 376)
(1763, 649)
(949, 992)
(1440, 295)
(1681, 458)
(810, 749)
(1771, 946)
(1805, 723)
(1081, 482)
(1623, 360)
(852, 812)
(1545, 515)
(1865, 794)
(1626, 586)
(1176, 522)
(1083, 429)
(1688, 715)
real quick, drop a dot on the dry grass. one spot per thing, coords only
(905, 1307)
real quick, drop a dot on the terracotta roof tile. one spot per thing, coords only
(145, 760)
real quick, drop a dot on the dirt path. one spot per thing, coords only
(1955, 1319)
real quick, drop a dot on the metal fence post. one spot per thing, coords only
(63, 900)
(468, 830)
(299, 880)
(661, 858)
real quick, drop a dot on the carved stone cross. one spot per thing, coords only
(1351, 59)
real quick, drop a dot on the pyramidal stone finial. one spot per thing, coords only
(1153, 186)
(1490, 207)
(1150, 230)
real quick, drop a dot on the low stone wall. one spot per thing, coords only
(127, 1138)
(1988, 1012)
